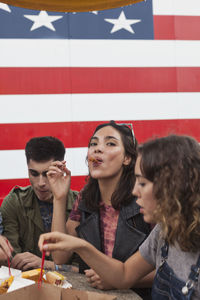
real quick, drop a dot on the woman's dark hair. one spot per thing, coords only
(123, 193)
(172, 163)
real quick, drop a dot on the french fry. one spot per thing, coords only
(92, 159)
(32, 274)
(5, 285)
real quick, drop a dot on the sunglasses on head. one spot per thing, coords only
(130, 126)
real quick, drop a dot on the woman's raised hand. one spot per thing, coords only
(59, 179)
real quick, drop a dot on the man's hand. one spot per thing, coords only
(26, 261)
(5, 248)
(95, 280)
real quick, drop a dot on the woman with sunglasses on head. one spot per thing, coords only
(167, 186)
(105, 212)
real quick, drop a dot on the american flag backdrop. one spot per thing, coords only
(62, 74)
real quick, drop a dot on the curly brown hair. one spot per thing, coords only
(123, 193)
(172, 163)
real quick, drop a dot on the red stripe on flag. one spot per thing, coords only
(77, 182)
(77, 134)
(176, 27)
(86, 80)
(188, 79)
(164, 28)
(98, 80)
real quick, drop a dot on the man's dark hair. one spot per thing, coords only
(44, 148)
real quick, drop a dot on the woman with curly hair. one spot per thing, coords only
(168, 189)
(105, 213)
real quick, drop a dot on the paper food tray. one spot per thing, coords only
(18, 283)
(4, 272)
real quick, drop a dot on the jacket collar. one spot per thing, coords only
(127, 211)
(28, 197)
(132, 209)
(30, 202)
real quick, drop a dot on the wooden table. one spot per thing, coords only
(79, 282)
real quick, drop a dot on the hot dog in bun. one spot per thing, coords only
(55, 278)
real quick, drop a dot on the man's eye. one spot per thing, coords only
(35, 174)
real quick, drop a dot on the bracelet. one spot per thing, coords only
(56, 267)
(66, 268)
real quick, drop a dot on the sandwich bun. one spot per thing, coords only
(55, 278)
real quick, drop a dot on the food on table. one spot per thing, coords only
(55, 278)
(6, 284)
(32, 274)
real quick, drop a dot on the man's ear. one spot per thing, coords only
(127, 160)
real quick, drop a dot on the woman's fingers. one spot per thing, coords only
(53, 241)
(97, 284)
(89, 272)
(92, 277)
(58, 165)
(47, 238)
(58, 168)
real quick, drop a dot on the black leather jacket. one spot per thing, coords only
(131, 231)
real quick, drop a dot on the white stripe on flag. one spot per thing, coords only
(176, 7)
(99, 53)
(69, 108)
(13, 163)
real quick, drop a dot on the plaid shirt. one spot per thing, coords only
(108, 223)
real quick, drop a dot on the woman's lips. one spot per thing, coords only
(95, 161)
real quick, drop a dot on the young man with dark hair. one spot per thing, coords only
(27, 211)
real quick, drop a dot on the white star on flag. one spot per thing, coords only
(43, 19)
(4, 7)
(122, 23)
